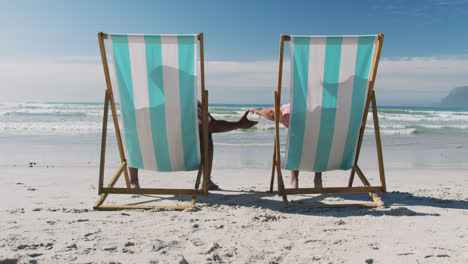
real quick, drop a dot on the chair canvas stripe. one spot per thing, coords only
(138, 67)
(123, 72)
(195, 99)
(189, 117)
(156, 102)
(365, 50)
(300, 60)
(284, 153)
(157, 81)
(170, 60)
(330, 90)
(343, 101)
(115, 91)
(316, 59)
(337, 81)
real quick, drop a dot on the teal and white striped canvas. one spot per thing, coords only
(157, 83)
(329, 85)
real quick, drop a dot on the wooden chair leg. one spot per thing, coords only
(277, 151)
(103, 143)
(197, 183)
(272, 180)
(114, 179)
(366, 183)
(378, 143)
(351, 178)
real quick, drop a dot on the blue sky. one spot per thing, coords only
(424, 52)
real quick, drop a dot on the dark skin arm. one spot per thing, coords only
(219, 126)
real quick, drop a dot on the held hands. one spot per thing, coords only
(257, 111)
(245, 123)
(268, 113)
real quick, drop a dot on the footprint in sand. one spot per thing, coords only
(197, 242)
(181, 260)
(340, 222)
(75, 211)
(161, 245)
(47, 246)
(129, 244)
(34, 255)
(111, 249)
(405, 254)
(267, 218)
(72, 246)
(16, 211)
(88, 235)
(128, 251)
(311, 241)
(212, 248)
(214, 258)
(374, 246)
(438, 256)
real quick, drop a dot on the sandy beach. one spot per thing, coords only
(47, 217)
(47, 214)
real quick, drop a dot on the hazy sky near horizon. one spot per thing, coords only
(50, 52)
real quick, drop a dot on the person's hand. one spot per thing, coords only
(245, 123)
(268, 113)
(257, 111)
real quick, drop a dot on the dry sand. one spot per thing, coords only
(46, 216)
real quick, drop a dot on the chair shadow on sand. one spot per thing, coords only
(396, 203)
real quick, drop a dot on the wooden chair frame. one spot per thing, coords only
(372, 190)
(110, 189)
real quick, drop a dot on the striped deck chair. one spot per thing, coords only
(157, 84)
(332, 81)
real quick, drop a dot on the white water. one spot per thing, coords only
(65, 134)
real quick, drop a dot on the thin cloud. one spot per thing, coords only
(426, 8)
(82, 78)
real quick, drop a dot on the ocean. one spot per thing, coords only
(56, 134)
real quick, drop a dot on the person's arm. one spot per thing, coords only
(219, 126)
(268, 113)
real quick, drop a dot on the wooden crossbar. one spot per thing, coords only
(327, 205)
(288, 37)
(143, 207)
(162, 191)
(333, 190)
(106, 35)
